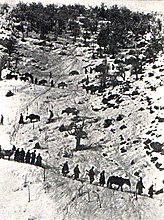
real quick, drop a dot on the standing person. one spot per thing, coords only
(65, 169)
(140, 186)
(91, 175)
(50, 75)
(33, 156)
(21, 121)
(102, 178)
(22, 155)
(52, 83)
(51, 115)
(39, 160)
(2, 119)
(28, 157)
(76, 172)
(151, 191)
(16, 155)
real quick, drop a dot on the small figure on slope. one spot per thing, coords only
(91, 175)
(139, 187)
(102, 178)
(65, 169)
(76, 172)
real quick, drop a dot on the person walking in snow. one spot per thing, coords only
(22, 155)
(16, 155)
(91, 175)
(102, 178)
(76, 172)
(151, 191)
(51, 115)
(139, 186)
(33, 156)
(21, 121)
(50, 75)
(28, 157)
(38, 160)
(2, 119)
(65, 169)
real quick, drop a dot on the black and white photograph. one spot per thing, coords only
(81, 110)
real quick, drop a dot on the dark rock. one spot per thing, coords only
(123, 127)
(141, 109)
(120, 117)
(135, 93)
(158, 165)
(153, 159)
(157, 147)
(9, 93)
(123, 150)
(132, 162)
(136, 173)
(150, 74)
(105, 154)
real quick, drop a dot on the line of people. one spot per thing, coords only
(28, 157)
(91, 173)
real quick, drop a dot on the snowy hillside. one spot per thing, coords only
(123, 135)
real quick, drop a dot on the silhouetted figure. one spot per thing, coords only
(14, 148)
(21, 121)
(151, 191)
(91, 70)
(76, 172)
(86, 71)
(39, 160)
(51, 115)
(102, 178)
(2, 119)
(36, 81)
(50, 75)
(33, 156)
(32, 79)
(91, 175)
(28, 157)
(22, 155)
(16, 155)
(52, 83)
(140, 187)
(65, 169)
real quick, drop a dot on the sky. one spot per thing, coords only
(138, 5)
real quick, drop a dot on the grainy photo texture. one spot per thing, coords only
(81, 110)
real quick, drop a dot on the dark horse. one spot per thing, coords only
(6, 153)
(33, 117)
(118, 181)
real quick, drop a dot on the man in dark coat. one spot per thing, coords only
(151, 191)
(16, 155)
(140, 186)
(21, 121)
(2, 119)
(76, 172)
(39, 160)
(65, 169)
(28, 156)
(91, 175)
(33, 156)
(22, 155)
(51, 115)
(102, 178)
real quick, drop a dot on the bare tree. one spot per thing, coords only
(79, 133)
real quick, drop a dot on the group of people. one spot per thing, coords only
(28, 157)
(91, 173)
